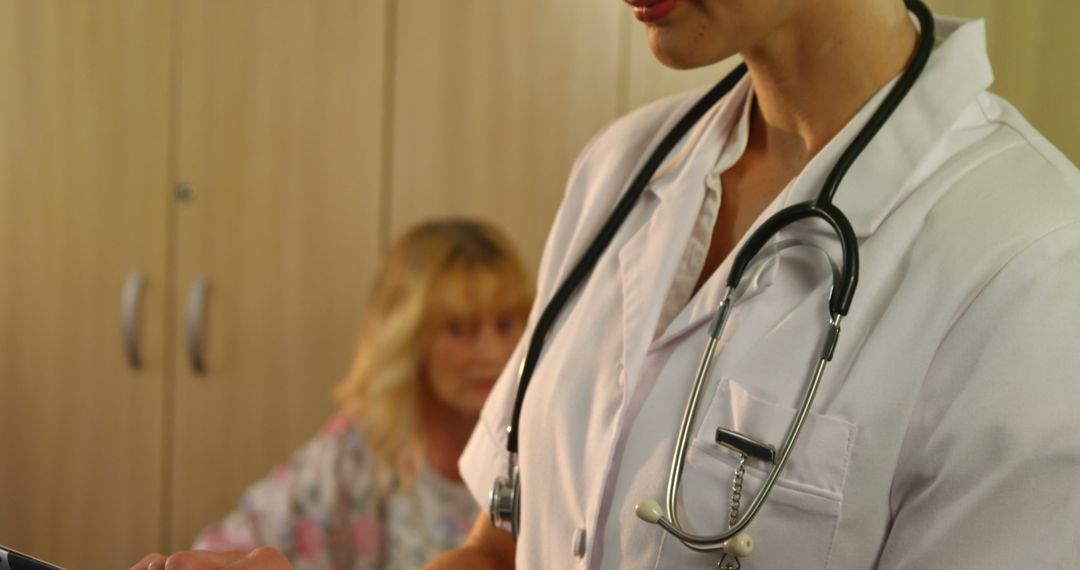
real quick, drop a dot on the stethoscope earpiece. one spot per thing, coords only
(741, 545)
(649, 511)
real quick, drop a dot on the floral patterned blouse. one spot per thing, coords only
(323, 510)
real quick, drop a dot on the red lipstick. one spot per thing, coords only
(652, 10)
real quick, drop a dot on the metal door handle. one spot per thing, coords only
(196, 305)
(131, 301)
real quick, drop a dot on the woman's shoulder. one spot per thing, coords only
(341, 427)
(337, 452)
(1007, 188)
(1001, 210)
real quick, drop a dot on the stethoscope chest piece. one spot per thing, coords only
(505, 499)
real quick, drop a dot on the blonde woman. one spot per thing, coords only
(379, 486)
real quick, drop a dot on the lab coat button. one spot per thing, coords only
(579, 543)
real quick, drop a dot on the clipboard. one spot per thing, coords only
(11, 559)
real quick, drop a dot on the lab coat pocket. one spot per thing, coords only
(796, 525)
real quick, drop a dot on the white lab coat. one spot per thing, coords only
(946, 433)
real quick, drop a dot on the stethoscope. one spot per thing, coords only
(505, 509)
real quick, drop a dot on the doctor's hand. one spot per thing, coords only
(258, 559)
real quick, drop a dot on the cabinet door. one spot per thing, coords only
(492, 101)
(84, 105)
(280, 127)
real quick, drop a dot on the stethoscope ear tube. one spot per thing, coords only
(885, 110)
(505, 497)
(844, 287)
(584, 266)
(506, 494)
(839, 304)
(822, 207)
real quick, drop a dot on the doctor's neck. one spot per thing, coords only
(815, 72)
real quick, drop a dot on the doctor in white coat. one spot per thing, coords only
(946, 431)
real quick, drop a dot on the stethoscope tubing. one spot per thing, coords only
(585, 265)
(839, 302)
(840, 298)
(716, 542)
(822, 207)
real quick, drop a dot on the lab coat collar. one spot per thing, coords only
(678, 187)
(888, 169)
(884, 174)
(722, 132)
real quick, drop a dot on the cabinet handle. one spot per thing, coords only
(196, 305)
(131, 301)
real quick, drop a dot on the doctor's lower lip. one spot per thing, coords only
(652, 10)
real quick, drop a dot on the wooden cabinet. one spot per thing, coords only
(84, 120)
(279, 140)
(269, 115)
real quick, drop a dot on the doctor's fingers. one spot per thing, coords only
(153, 561)
(260, 559)
(196, 560)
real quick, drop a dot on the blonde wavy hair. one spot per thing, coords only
(438, 272)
